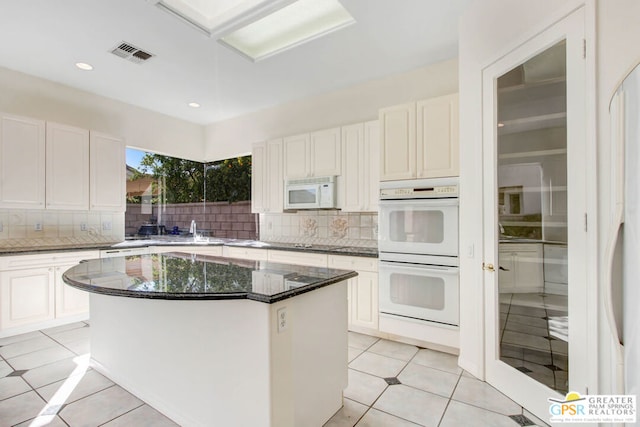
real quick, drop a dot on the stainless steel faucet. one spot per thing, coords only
(192, 228)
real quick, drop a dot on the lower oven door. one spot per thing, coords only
(424, 292)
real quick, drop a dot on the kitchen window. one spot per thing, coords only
(164, 194)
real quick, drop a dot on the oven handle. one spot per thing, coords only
(420, 267)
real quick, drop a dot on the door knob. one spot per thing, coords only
(488, 267)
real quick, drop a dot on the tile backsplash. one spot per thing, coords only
(321, 227)
(25, 228)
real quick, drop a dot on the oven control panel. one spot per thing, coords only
(419, 192)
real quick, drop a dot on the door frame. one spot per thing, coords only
(580, 145)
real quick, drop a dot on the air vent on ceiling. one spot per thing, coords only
(131, 53)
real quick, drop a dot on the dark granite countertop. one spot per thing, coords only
(141, 243)
(184, 276)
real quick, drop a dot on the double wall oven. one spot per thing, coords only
(418, 248)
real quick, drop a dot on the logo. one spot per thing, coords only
(593, 409)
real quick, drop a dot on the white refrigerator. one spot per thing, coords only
(622, 298)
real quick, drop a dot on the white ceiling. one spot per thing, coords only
(46, 38)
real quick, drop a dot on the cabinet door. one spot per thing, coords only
(67, 167)
(22, 162)
(520, 268)
(69, 301)
(267, 186)
(398, 142)
(364, 300)
(108, 173)
(26, 296)
(506, 270)
(297, 156)
(529, 275)
(274, 179)
(372, 165)
(437, 138)
(325, 152)
(259, 176)
(351, 185)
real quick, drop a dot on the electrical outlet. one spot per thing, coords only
(283, 321)
(37, 226)
(83, 227)
(106, 225)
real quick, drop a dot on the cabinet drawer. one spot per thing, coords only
(19, 262)
(203, 250)
(353, 263)
(245, 253)
(110, 253)
(300, 258)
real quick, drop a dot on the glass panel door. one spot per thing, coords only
(532, 217)
(534, 202)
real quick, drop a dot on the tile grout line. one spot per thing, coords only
(450, 399)
(137, 407)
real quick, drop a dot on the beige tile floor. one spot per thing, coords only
(45, 379)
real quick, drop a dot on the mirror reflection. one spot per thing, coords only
(532, 217)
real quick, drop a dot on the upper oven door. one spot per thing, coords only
(424, 226)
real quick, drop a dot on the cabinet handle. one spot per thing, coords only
(488, 267)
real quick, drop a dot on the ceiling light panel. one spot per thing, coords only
(290, 26)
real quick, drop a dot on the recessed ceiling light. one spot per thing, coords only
(290, 26)
(194, 105)
(84, 66)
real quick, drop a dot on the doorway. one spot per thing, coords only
(534, 212)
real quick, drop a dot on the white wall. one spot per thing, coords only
(25, 95)
(488, 30)
(354, 104)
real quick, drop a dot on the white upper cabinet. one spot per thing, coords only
(67, 170)
(437, 137)
(297, 156)
(56, 166)
(108, 175)
(22, 162)
(358, 184)
(325, 152)
(420, 140)
(398, 142)
(372, 172)
(267, 187)
(314, 154)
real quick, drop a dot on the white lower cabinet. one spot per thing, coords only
(363, 291)
(34, 296)
(520, 267)
(27, 296)
(69, 300)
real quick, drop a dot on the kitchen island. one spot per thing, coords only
(219, 341)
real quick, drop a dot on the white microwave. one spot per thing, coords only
(310, 193)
